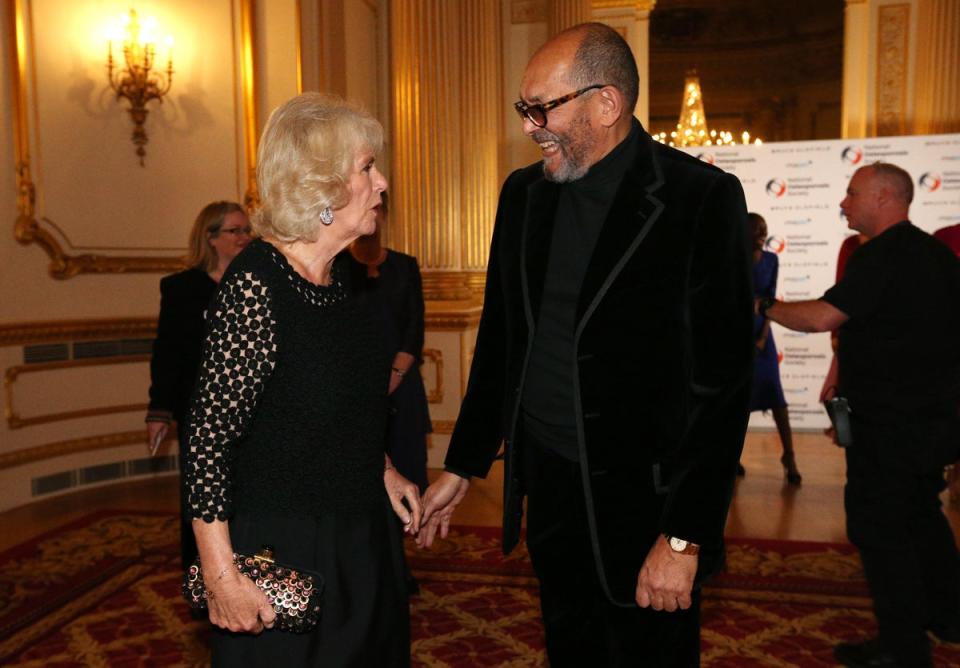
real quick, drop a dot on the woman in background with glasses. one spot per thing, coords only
(219, 233)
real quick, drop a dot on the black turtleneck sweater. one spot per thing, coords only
(548, 403)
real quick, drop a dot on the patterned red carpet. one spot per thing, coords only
(104, 591)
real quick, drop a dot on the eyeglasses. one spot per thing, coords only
(537, 113)
(236, 231)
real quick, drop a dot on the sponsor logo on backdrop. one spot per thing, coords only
(930, 181)
(801, 147)
(797, 279)
(728, 158)
(800, 207)
(800, 417)
(800, 243)
(882, 151)
(779, 357)
(800, 165)
(806, 375)
(852, 155)
(708, 158)
(794, 186)
(775, 244)
(948, 180)
(785, 264)
(776, 187)
(798, 221)
(800, 356)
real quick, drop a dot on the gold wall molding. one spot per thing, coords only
(457, 320)
(435, 396)
(893, 54)
(14, 421)
(28, 229)
(446, 66)
(53, 331)
(70, 447)
(451, 285)
(639, 5)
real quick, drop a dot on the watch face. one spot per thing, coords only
(678, 544)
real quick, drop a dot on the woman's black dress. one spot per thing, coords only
(286, 442)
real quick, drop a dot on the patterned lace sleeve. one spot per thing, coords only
(239, 355)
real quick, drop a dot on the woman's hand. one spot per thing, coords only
(237, 604)
(399, 489)
(156, 434)
(403, 363)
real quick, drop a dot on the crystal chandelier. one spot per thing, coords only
(692, 129)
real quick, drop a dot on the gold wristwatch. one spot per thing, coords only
(681, 546)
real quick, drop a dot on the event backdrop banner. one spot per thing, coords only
(797, 188)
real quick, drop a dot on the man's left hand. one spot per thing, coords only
(666, 578)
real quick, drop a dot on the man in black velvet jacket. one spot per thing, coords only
(613, 359)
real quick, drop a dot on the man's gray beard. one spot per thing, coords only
(567, 172)
(573, 166)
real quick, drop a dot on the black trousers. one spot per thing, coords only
(894, 517)
(583, 628)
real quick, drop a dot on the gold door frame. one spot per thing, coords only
(27, 229)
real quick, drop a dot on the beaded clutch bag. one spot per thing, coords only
(294, 594)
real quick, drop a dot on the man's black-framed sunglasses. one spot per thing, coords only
(537, 113)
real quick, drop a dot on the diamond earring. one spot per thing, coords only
(326, 216)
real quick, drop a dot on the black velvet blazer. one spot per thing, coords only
(184, 298)
(663, 357)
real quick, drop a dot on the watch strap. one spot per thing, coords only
(681, 546)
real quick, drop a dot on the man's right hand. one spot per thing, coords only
(439, 502)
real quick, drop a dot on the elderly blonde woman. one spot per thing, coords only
(287, 422)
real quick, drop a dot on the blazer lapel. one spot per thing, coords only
(542, 198)
(634, 211)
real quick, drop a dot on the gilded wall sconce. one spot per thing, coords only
(135, 79)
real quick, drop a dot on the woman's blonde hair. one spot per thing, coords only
(208, 222)
(304, 162)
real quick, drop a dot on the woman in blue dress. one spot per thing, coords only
(767, 390)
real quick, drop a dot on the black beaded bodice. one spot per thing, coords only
(289, 412)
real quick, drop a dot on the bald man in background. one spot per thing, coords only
(897, 308)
